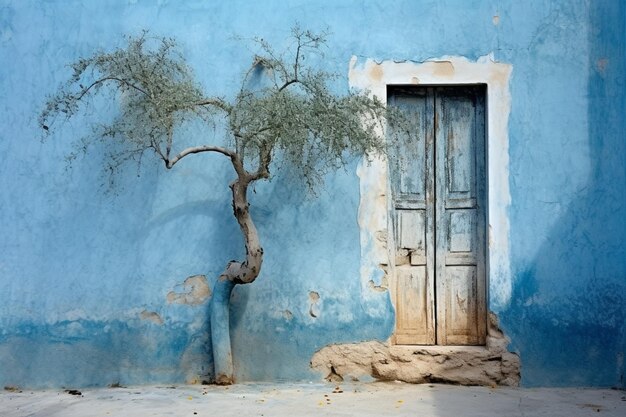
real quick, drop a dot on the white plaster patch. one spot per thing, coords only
(373, 208)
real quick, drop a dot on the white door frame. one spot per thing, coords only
(376, 242)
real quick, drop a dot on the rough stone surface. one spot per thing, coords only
(488, 365)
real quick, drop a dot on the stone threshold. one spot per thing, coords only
(489, 365)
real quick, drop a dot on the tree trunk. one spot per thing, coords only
(236, 273)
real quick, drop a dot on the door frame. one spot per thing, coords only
(376, 242)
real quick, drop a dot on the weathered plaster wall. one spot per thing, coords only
(94, 286)
(568, 179)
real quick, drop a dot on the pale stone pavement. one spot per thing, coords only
(286, 400)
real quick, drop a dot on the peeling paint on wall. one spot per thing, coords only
(195, 291)
(379, 288)
(314, 298)
(151, 316)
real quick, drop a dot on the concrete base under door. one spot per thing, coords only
(489, 365)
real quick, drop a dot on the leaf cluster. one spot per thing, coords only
(285, 110)
(155, 91)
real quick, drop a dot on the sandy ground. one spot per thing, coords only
(355, 399)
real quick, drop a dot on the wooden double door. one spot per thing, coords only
(438, 182)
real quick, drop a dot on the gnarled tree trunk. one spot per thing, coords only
(236, 273)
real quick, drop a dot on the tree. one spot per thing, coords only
(285, 110)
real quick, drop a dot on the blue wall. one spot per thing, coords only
(567, 314)
(79, 266)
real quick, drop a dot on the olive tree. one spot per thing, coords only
(286, 110)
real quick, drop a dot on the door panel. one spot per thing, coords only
(459, 138)
(412, 234)
(409, 169)
(437, 174)
(415, 322)
(461, 225)
(412, 181)
(460, 302)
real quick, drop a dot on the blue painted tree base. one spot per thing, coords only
(220, 332)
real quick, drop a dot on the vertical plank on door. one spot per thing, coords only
(412, 183)
(460, 215)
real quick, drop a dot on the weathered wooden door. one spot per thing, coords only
(438, 189)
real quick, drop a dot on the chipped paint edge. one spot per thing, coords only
(373, 220)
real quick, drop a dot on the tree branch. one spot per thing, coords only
(295, 64)
(101, 80)
(216, 102)
(287, 84)
(169, 163)
(265, 158)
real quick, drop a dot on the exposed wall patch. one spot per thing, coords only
(195, 291)
(151, 316)
(314, 298)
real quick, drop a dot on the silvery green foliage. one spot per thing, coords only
(292, 115)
